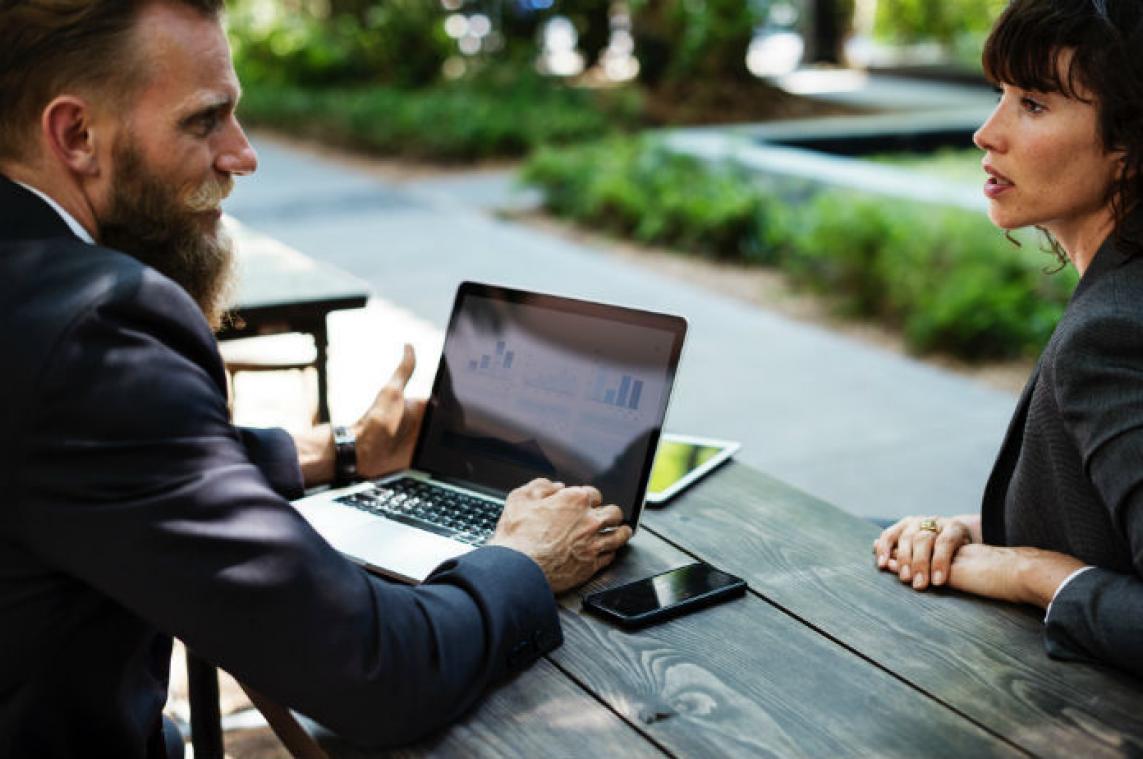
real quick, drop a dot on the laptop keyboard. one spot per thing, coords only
(421, 504)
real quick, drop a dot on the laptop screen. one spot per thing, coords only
(534, 385)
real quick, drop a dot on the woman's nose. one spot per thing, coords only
(989, 137)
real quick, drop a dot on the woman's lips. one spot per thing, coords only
(997, 184)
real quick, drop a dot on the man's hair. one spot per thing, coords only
(48, 47)
(1106, 39)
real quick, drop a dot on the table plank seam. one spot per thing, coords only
(599, 699)
(825, 634)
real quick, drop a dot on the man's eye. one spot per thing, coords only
(205, 123)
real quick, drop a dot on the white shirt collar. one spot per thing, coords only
(72, 224)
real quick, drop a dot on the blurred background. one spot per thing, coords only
(797, 177)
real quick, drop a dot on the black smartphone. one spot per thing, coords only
(665, 595)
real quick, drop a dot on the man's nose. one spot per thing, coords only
(238, 156)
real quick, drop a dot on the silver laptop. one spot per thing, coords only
(528, 385)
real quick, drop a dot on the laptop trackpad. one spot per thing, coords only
(389, 547)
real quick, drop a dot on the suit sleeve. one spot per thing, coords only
(1099, 388)
(274, 453)
(134, 482)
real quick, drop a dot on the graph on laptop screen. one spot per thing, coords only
(530, 390)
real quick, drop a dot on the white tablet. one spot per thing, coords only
(683, 459)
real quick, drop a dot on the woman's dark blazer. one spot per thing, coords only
(1069, 476)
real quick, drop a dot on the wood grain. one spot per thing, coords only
(744, 679)
(983, 659)
(540, 713)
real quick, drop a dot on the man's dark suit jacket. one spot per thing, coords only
(132, 511)
(1069, 476)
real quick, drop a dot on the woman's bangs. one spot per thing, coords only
(1023, 50)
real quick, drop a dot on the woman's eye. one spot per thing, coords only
(1031, 106)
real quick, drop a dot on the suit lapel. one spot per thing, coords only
(1107, 259)
(23, 216)
(995, 492)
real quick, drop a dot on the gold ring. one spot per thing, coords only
(929, 524)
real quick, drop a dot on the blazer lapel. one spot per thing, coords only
(1107, 259)
(24, 216)
(995, 492)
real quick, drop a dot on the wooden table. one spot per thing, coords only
(281, 290)
(824, 657)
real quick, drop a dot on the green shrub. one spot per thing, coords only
(398, 42)
(833, 247)
(636, 188)
(944, 276)
(461, 121)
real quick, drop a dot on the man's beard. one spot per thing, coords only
(149, 221)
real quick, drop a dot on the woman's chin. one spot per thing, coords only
(1005, 221)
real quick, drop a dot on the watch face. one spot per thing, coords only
(345, 455)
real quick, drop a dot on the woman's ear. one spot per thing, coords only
(69, 135)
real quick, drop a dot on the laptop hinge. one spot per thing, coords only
(457, 482)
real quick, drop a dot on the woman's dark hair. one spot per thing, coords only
(1106, 39)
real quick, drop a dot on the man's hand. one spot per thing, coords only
(388, 430)
(560, 528)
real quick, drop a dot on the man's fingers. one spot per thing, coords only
(609, 516)
(415, 409)
(591, 495)
(536, 489)
(541, 487)
(404, 369)
(610, 542)
(602, 560)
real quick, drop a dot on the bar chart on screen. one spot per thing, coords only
(615, 389)
(496, 362)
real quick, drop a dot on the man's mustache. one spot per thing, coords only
(209, 195)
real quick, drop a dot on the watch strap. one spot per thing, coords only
(344, 456)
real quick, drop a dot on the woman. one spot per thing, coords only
(1061, 524)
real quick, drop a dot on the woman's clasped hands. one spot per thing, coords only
(949, 551)
(921, 550)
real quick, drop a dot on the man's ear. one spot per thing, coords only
(67, 127)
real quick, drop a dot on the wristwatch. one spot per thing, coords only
(344, 456)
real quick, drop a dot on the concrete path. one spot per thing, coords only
(873, 432)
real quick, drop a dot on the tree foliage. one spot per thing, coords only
(398, 42)
(692, 39)
(943, 20)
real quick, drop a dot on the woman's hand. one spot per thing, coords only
(1020, 575)
(920, 550)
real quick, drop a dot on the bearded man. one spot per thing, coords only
(131, 510)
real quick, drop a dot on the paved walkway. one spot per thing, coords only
(873, 432)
